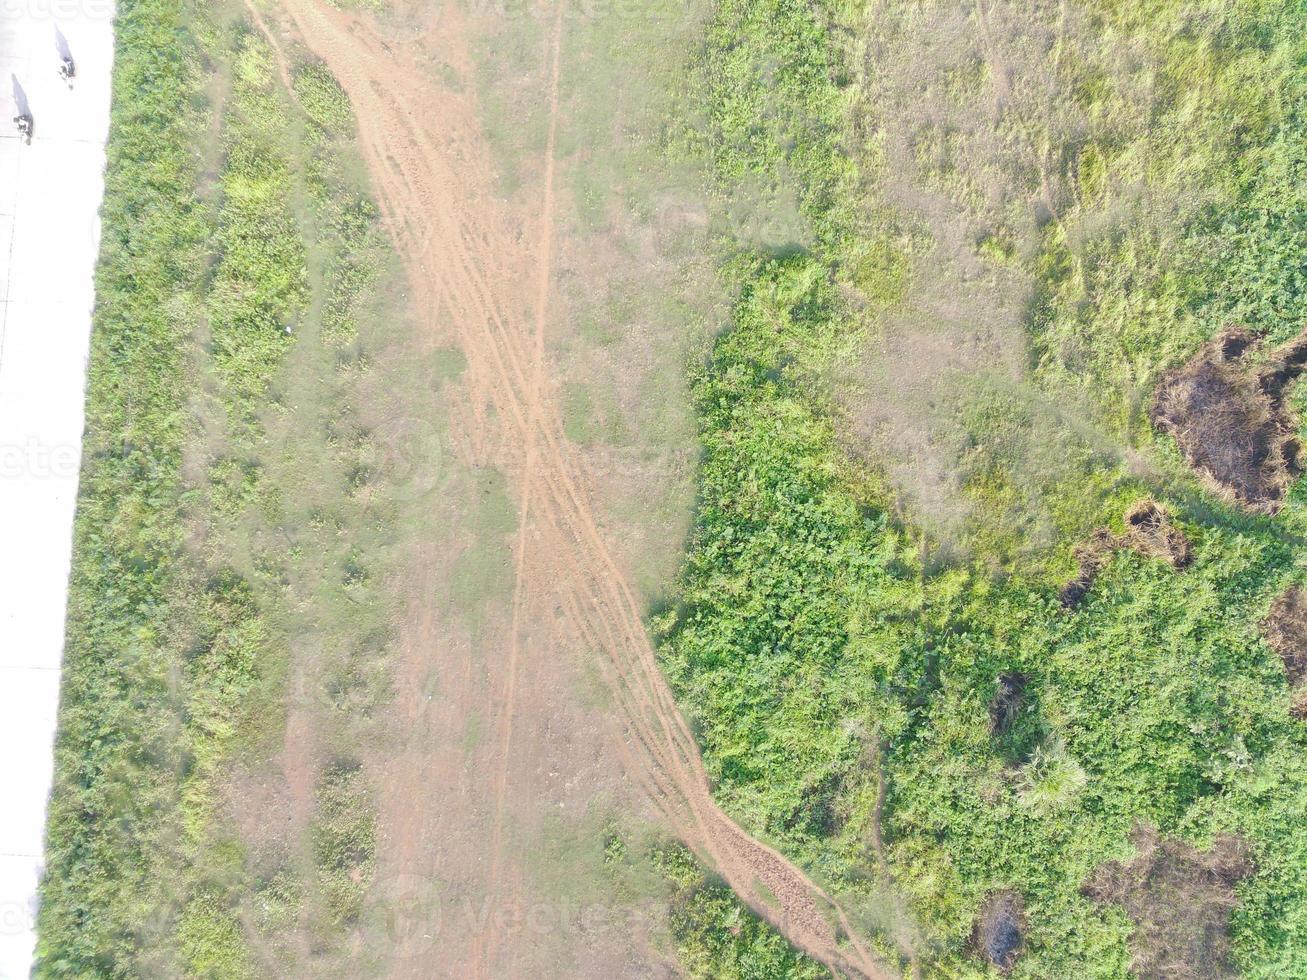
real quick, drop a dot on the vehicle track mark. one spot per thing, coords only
(423, 146)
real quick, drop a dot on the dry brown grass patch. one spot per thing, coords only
(1179, 900)
(1285, 629)
(1230, 419)
(1148, 531)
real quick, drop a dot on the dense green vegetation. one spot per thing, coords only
(113, 820)
(816, 652)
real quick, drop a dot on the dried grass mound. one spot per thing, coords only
(1179, 900)
(1285, 630)
(1230, 420)
(1148, 531)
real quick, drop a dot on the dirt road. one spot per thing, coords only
(484, 276)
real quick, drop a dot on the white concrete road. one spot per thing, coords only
(50, 196)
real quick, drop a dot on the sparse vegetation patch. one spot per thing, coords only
(1179, 900)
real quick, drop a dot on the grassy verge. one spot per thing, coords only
(234, 525)
(114, 816)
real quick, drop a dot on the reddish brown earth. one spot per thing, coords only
(493, 733)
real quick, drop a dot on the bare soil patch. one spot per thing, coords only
(1230, 419)
(1180, 900)
(1148, 532)
(999, 933)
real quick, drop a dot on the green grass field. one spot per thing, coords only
(228, 552)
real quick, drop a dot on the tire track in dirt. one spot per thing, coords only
(283, 66)
(423, 146)
(534, 396)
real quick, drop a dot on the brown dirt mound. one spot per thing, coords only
(1285, 629)
(1007, 701)
(1231, 421)
(999, 932)
(1179, 900)
(1148, 531)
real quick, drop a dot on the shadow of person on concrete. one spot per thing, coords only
(24, 118)
(20, 97)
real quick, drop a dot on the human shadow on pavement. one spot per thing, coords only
(20, 98)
